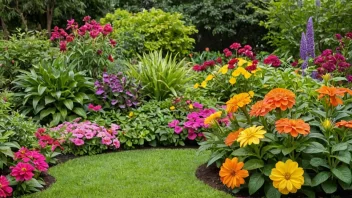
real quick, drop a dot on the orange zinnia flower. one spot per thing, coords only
(231, 173)
(280, 98)
(260, 109)
(294, 127)
(232, 137)
(344, 123)
(239, 100)
(333, 93)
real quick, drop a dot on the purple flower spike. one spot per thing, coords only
(303, 47)
(318, 3)
(310, 38)
(304, 66)
(99, 91)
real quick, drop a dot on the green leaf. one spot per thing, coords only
(57, 94)
(267, 169)
(253, 164)
(329, 186)
(49, 99)
(56, 119)
(307, 179)
(344, 156)
(339, 147)
(315, 147)
(242, 152)
(343, 173)
(287, 151)
(79, 111)
(308, 192)
(69, 104)
(41, 89)
(46, 112)
(320, 178)
(35, 101)
(256, 181)
(216, 156)
(316, 162)
(270, 191)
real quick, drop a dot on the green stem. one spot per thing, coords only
(244, 110)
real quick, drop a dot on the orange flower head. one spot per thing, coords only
(207, 49)
(280, 98)
(231, 173)
(333, 93)
(232, 137)
(239, 100)
(293, 127)
(260, 109)
(344, 123)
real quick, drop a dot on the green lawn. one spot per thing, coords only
(154, 173)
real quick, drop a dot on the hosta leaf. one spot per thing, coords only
(41, 89)
(79, 111)
(35, 101)
(49, 99)
(46, 112)
(69, 104)
(56, 119)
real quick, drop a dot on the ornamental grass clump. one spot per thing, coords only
(284, 140)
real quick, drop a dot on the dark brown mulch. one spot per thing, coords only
(210, 176)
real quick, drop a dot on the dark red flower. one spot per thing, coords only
(111, 59)
(294, 63)
(338, 36)
(349, 35)
(69, 38)
(113, 42)
(272, 60)
(231, 66)
(197, 68)
(235, 46)
(219, 60)
(63, 46)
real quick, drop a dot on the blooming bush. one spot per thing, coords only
(118, 91)
(86, 137)
(284, 140)
(89, 46)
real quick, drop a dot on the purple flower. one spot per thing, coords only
(303, 47)
(318, 3)
(315, 75)
(310, 38)
(349, 78)
(304, 66)
(99, 91)
(113, 102)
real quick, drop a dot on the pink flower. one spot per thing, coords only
(78, 142)
(338, 36)
(89, 135)
(116, 143)
(178, 129)
(69, 38)
(106, 141)
(70, 23)
(63, 46)
(191, 134)
(107, 29)
(173, 123)
(235, 46)
(198, 105)
(86, 18)
(5, 189)
(272, 60)
(115, 127)
(22, 171)
(41, 165)
(22, 153)
(94, 33)
(94, 108)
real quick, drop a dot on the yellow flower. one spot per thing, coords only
(327, 124)
(130, 114)
(287, 177)
(232, 80)
(190, 106)
(241, 71)
(209, 77)
(203, 84)
(239, 100)
(326, 77)
(224, 69)
(196, 85)
(212, 118)
(265, 86)
(251, 94)
(172, 108)
(241, 62)
(255, 71)
(251, 135)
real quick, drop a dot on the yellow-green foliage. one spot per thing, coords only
(155, 28)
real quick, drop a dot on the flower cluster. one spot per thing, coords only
(5, 189)
(118, 90)
(82, 132)
(333, 95)
(272, 60)
(46, 139)
(28, 162)
(94, 108)
(204, 66)
(328, 62)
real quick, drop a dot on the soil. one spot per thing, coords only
(210, 176)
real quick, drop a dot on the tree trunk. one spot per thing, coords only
(4, 27)
(49, 15)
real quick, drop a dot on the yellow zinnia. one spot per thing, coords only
(287, 177)
(203, 84)
(241, 71)
(209, 77)
(130, 114)
(190, 106)
(239, 100)
(212, 118)
(172, 108)
(196, 85)
(241, 62)
(251, 135)
(251, 94)
(232, 81)
(224, 69)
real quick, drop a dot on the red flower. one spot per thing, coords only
(235, 46)
(107, 29)
(111, 59)
(294, 63)
(22, 171)
(230, 66)
(94, 33)
(251, 67)
(94, 108)
(63, 46)
(233, 61)
(113, 42)
(219, 60)
(197, 68)
(99, 52)
(338, 36)
(69, 38)
(349, 35)
(272, 60)
(5, 189)
(86, 18)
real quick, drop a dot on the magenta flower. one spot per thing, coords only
(106, 141)
(5, 189)
(63, 46)
(173, 123)
(86, 18)
(272, 60)
(22, 171)
(178, 129)
(116, 143)
(94, 33)
(78, 142)
(235, 46)
(94, 108)
(198, 105)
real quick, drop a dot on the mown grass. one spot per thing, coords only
(154, 173)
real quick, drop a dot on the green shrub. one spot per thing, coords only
(160, 76)
(286, 20)
(53, 88)
(21, 52)
(154, 29)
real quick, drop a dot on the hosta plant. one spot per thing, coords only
(53, 92)
(293, 138)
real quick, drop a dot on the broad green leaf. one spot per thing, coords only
(339, 147)
(56, 119)
(216, 156)
(35, 101)
(316, 162)
(69, 104)
(253, 164)
(307, 179)
(41, 89)
(315, 147)
(242, 152)
(49, 99)
(46, 112)
(267, 169)
(270, 191)
(256, 181)
(329, 186)
(343, 156)
(79, 111)
(320, 178)
(343, 173)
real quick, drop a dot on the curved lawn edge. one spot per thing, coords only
(136, 173)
